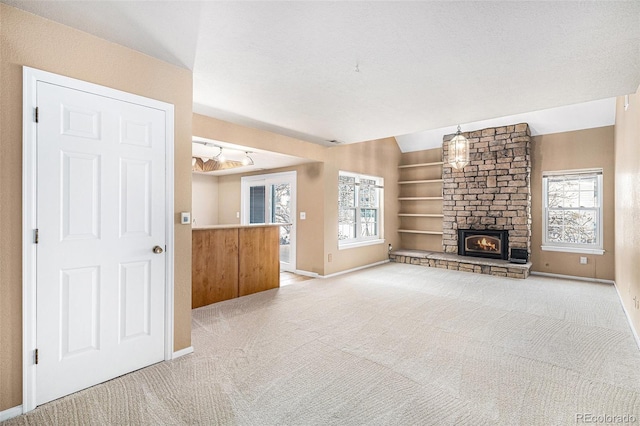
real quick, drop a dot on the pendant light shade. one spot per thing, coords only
(247, 161)
(220, 158)
(458, 151)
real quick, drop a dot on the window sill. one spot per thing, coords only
(580, 250)
(344, 246)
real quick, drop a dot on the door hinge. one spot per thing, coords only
(36, 356)
(37, 114)
(36, 236)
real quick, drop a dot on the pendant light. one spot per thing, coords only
(458, 151)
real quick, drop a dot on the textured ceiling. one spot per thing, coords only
(290, 66)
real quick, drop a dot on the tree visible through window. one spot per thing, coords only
(573, 209)
(358, 207)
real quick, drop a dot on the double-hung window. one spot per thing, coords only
(359, 209)
(572, 211)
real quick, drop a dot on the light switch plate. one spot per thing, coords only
(185, 218)
(303, 215)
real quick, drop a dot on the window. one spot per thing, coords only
(572, 211)
(359, 209)
(256, 203)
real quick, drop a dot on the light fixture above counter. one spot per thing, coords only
(210, 157)
(217, 158)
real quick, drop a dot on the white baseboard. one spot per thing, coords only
(571, 277)
(335, 274)
(626, 313)
(307, 273)
(182, 352)
(10, 413)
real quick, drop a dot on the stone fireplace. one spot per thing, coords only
(492, 193)
(486, 207)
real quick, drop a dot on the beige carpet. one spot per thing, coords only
(396, 344)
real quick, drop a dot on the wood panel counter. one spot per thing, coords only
(233, 260)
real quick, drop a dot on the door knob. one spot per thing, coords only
(157, 250)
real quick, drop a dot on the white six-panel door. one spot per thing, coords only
(100, 291)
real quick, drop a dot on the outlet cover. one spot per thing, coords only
(583, 260)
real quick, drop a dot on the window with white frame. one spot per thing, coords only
(572, 211)
(359, 209)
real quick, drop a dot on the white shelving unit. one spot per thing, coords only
(419, 203)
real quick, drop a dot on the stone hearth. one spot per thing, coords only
(495, 267)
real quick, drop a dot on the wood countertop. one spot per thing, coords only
(257, 225)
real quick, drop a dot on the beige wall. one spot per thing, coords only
(223, 131)
(204, 200)
(580, 149)
(310, 189)
(627, 159)
(26, 39)
(229, 199)
(309, 248)
(377, 158)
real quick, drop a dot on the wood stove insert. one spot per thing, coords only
(491, 244)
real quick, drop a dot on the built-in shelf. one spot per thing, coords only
(415, 231)
(404, 182)
(406, 166)
(428, 231)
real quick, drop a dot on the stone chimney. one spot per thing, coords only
(493, 191)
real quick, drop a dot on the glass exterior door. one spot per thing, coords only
(281, 213)
(271, 199)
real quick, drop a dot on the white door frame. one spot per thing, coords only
(30, 79)
(288, 177)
